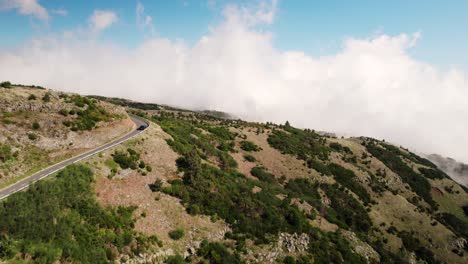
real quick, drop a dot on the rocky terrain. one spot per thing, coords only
(204, 189)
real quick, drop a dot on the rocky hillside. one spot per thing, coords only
(198, 188)
(39, 127)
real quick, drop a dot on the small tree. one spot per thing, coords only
(32, 97)
(46, 97)
(176, 234)
(156, 186)
(35, 125)
(32, 136)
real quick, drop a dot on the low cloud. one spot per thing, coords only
(101, 20)
(371, 87)
(25, 7)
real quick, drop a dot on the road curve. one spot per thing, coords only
(24, 183)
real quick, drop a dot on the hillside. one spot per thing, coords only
(214, 190)
(39, 127)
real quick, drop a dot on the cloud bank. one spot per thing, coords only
(371, 87)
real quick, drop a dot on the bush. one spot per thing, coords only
(305, 144)
(348, 179)
(127, 159)
(262, 175)
(249, 158)
(176, 259)
(458, 226)
(6, 84)
(64, 112)
(32, 97)
(433, 173)
(149, 168)
(46, 98)
(35, 125)
(249, 146)
(156, 186)
(32, 136)
(176, 234)
(216, 253)
(5, 152)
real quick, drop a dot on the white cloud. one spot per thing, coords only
(59, 11)
(371, 87)
(25, 7)
(101, 20)
(144, 21)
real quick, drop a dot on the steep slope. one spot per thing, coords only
(207, 189)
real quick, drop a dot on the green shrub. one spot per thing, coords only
(149, 168)
(46, 98)
(262, 175)
(6, 84)
(458, 226)
(249, 158)
(127, 159)
(318, 166)
(175, 259)
(64, 112)
(156, 186)
(177, 234)
(32, 136)
(433, 173)
(347, 212)
(348, 179)
(35, 125)
(217, 253)
(305, 144)
(5, 152)
(305, 190)
(32, 97)
(249, 146)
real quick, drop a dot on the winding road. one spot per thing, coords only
(24, 183)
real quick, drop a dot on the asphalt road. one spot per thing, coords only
(24, 183)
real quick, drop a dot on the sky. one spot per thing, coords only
(394, 70)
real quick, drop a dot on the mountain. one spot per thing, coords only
(198, 187)
(458, 171)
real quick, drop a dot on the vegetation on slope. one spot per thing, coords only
(60, 220)
(223, 192)
(390, 156)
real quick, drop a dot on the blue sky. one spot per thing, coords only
(315, 27)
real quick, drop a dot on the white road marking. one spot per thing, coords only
(64, 164)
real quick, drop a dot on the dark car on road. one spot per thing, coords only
(142, 127)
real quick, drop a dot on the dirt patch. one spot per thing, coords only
(276, 163)
(436, 191)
